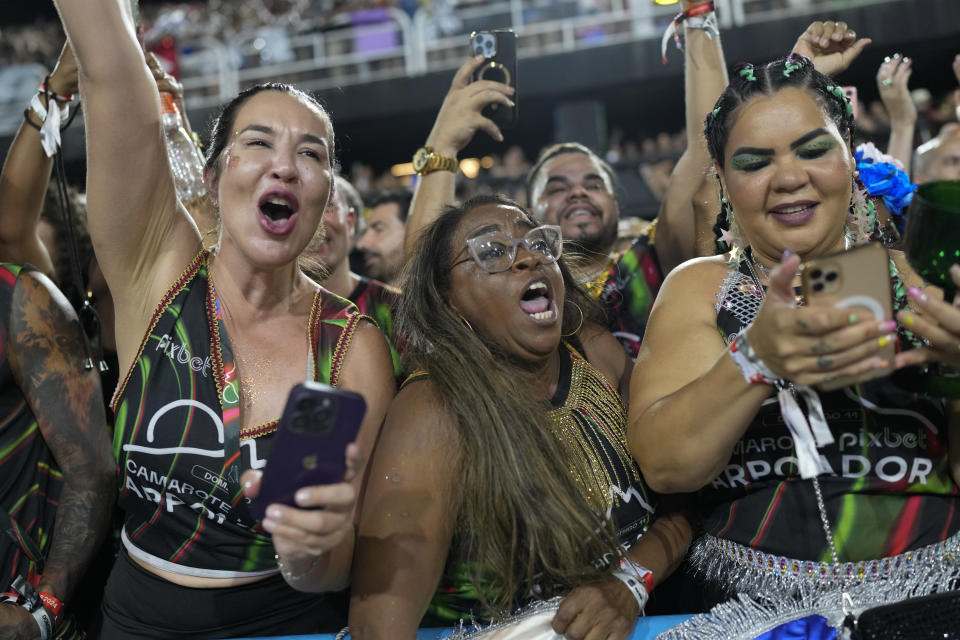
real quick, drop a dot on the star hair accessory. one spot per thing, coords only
(747, 73)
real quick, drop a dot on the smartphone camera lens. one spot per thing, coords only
(831, 276)
(305, 405)
(300, 422)
(322, 420)
(818, 286)
(816, 274)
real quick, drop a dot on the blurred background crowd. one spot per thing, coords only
(589, 70)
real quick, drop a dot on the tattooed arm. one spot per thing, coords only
(47, 352)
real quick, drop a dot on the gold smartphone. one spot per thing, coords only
(858, 280)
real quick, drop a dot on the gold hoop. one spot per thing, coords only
(466, 323)
(493, 64)
(567, 335)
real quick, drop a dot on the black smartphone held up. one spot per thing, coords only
(317, 424)
(499, 47)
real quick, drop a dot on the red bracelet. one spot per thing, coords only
(696, 10)
(56, 96)
(55, 606)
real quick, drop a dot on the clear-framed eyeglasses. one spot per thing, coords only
(496, 251)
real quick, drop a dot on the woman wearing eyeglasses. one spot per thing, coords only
(502, 474)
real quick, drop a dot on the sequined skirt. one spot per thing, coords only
(772, 591)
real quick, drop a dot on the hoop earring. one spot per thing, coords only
(567, 335)
(466, 323)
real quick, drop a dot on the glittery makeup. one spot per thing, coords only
(748, 161)
(817, 147)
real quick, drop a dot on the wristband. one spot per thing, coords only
(53, 119)
(23, 594)
(52, 94)
(630, 567)
(705, 9)
(52, 604)
(636, 586)
(44, 621)
(754, 370)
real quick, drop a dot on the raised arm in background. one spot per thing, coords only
(24, 179)
(892, 78)
(679, 228)
(457, 122)
(46, 350)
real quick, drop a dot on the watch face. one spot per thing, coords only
(420, 159)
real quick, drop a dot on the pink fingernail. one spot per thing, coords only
(888, 326)
(917, 294)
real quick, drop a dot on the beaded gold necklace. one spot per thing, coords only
(590, 425)
(595, 284)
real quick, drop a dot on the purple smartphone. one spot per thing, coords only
(309, 449)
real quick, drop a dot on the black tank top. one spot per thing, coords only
(890, 491)
(178, 440)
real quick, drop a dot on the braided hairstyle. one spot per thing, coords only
(748, 82)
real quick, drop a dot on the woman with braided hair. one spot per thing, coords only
(815, 513)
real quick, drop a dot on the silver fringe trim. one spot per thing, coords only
(473, 631)
(773, 590)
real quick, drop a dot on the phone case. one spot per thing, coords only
(499, 47)
(317, 424)
(859, 280)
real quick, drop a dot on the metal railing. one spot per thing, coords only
(368, 47)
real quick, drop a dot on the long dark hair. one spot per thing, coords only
(520, 517)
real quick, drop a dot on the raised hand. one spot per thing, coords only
(892, 78)
(831, 46)
(459, 117)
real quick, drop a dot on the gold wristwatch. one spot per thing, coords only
(426, 160)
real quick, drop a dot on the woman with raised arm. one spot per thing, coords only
(804, 525)
(502, 474)
(211, 344)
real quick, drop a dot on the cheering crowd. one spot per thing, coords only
(559, 420)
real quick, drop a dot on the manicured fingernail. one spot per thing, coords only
(302, 496)
(896, 55)
(852, 318)
(886, 59)
(955, 270)
(511, 103)
(884, 341)
(908, 319)
(888, 326)
(274, 513)
(786, 254)
(884, 364)
(906, 59)
(917, 294)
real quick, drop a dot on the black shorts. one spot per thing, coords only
(139, 604)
